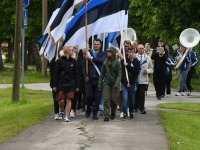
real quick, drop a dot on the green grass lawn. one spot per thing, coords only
(182, 128)
(30, 76)
(30, 109)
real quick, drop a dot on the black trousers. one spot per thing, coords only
(168, 87)
(140, 96)
(189, 77)
(93, 96)
(55, 102)
(76, 101)
(159, 81)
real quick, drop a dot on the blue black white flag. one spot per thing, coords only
(56, 30)
(103, 16)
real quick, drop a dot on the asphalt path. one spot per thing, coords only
(144, 132)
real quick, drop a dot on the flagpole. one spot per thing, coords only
(122, 45)
(104, 35)
(86, 34)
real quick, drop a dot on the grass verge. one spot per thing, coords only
(30, 76)
(30, 109)
(182, 128)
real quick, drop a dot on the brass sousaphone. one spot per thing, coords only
(188, 38)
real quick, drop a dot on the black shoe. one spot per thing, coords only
(78, 107)
(135, 110)
(106, 119)
(143, 112)
(112, 117)
(87, 113)
(163, 96)
(124, 117)
(94, 117)
(159, 98)
(131, 116)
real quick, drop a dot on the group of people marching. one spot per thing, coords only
(106, 79)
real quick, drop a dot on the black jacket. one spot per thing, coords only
(133, 69)
(66, 76)
(92, 73)
(159, 61)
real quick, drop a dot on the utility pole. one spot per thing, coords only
(17, 51)
(44, 24)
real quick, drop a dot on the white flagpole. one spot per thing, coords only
(104, 35)
(123, 51)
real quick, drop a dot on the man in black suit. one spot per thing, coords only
(95, 58)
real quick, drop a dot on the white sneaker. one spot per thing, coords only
(182, 94)
(188, 93)
(177, 94)
(56, 116)
(72, 114)
(66, 119)
(121, 115)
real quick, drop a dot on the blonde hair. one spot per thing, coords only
(67, 48)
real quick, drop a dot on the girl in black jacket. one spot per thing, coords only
(66, 79)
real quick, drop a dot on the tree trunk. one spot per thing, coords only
(25, 55)
(17, 51)
(1, 59)
(44, 24)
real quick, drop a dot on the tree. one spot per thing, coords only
(165, 19)
(7, 12)
(44, 24)
(17, 51)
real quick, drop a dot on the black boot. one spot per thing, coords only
(112, 117)
(95, 116)
(87, 113)
(106, 119)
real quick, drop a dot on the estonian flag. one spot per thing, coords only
(103, 16)
(45, 34)
(56, 30)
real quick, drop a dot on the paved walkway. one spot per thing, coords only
(144, 132)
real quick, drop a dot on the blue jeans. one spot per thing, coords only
(128, 94)
(182, 76)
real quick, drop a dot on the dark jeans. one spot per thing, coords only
(128, 94)
(189, 77)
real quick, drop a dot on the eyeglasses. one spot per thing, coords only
(140, 48)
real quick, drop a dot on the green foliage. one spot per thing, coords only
(7, 15)
(9, 59)
(153, 19)
(7, 21)
(30, 109)
(165, 19)
(182, 127)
